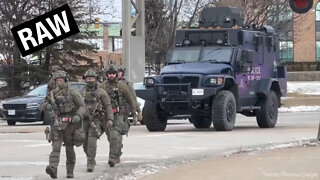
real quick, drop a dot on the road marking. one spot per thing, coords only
(23, 140)
(38, 145)
(161, 135)
(39, 163)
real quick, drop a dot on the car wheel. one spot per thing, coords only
(224, 111)
(11, 123)
(154, 119)
(268, 115)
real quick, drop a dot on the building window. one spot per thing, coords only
(318, 32)
(286, 51)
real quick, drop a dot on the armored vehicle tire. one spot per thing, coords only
(11, 123)
(224, 111)
(152, 117)
(200, 122)
(268, 115)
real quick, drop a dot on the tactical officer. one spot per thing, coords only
(121, 73)
(100, 116)
(51, 83)
(68, 110)
(120, 95)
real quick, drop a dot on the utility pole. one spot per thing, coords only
(133, 45)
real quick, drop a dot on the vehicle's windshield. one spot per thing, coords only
(78, 86)
(216, 55)
(38, 91)
(185, 55)
(211, 54)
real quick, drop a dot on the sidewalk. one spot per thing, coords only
(283, 164)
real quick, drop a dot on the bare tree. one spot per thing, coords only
(22, 72)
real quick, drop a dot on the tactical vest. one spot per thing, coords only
(93, 101)
(64, 102)
(117, 100)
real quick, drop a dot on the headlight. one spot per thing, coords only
(33, 105)
(150, 81)
(214, 81)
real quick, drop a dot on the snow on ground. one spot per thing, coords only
(300, 109)
(304, 87)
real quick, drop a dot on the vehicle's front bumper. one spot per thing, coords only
(157, 94)
(26, 115)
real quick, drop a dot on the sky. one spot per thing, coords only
(112, 10)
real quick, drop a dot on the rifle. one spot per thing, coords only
(48, 134)
(92, 124)
(56, 121)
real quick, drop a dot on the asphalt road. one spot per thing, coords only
(24, 150)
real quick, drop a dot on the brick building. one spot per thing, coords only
(302, 42)
(107, 42)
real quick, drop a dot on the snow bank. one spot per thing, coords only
(300, 109)
(305, 87)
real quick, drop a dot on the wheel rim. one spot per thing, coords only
(230, 113)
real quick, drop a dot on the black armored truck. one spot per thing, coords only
(215, 71)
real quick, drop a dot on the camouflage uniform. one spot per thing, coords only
(67, 116)
(120, 95)
(131, 89)
(52, 84)
(99, 105)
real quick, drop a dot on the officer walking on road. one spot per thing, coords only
(121, 74)
(120, 95)
(100, 116)
(68, 110)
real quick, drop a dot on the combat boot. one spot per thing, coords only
(52, 171)
(113, 161)
(90, 168)
(69, 174)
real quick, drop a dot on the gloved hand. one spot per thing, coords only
(76, 119)
(140, 116)
(109, 125)
(135, 119)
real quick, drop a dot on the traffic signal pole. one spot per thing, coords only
(133, 43)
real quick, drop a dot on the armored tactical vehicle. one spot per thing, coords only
(215, 71)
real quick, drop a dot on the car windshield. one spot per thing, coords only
(78, 86)
(182, 55)
(38, 91)
(216, 55)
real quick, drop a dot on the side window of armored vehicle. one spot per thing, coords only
(245, 60)
(246, 56)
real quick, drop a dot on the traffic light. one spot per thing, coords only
(300, 6)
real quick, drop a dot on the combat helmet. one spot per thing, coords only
(111, 69)
(90, 73)
(122, 69)
(60, 74)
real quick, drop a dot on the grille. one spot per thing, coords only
(192, 80)
(171, 80)
(15, 106)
